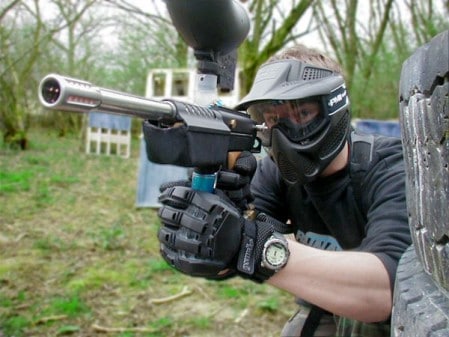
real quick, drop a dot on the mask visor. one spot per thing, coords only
(298, 119)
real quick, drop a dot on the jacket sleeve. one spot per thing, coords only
(268, 190)
(387, 232)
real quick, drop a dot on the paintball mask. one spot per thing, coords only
(305, 110)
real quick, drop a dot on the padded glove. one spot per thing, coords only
(203, 234)
(235, 183)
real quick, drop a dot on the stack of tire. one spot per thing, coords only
(421, 296)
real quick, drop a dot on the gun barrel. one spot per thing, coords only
(70, 94)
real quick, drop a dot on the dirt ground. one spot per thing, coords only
(78, 258)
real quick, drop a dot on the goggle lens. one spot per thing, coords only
(298, 119)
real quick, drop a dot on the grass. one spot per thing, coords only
(78, 259)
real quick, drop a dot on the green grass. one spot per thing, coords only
(14, 181)
(76, 254)
(70, 306)
(15, 325)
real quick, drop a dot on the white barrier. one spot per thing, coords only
(108, 134)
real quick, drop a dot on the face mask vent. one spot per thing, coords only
(334, 140)
(310, 73)
(288, 171)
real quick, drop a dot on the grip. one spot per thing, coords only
(204, 181)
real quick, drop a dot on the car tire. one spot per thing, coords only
(421, 294)
(421, 308)
(424, 119)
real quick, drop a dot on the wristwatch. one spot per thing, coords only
(275, 253)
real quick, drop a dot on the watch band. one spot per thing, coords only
(253, 248)
(262, 274)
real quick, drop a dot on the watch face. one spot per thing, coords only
(275, 254)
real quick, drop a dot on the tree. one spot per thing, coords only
(21, 34)
(74, 50)
(426, 18)
(155, 30)
(145, 40)
(371, 42)
(355, 43)
(29, 40)
(273, 24)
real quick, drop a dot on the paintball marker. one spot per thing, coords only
(176, 132)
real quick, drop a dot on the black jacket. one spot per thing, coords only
(367, 213)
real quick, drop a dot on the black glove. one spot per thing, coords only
(204, 235)
(235, 183)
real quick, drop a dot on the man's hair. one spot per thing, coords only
(308, 55)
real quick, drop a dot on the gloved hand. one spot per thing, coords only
(204, 235)
(235, 183)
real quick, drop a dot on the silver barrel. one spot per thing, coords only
(70, 94)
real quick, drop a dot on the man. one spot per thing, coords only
(342, 194)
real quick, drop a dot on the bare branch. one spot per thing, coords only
(7, 8)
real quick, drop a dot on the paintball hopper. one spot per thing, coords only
(214, 29)
(215, 25)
